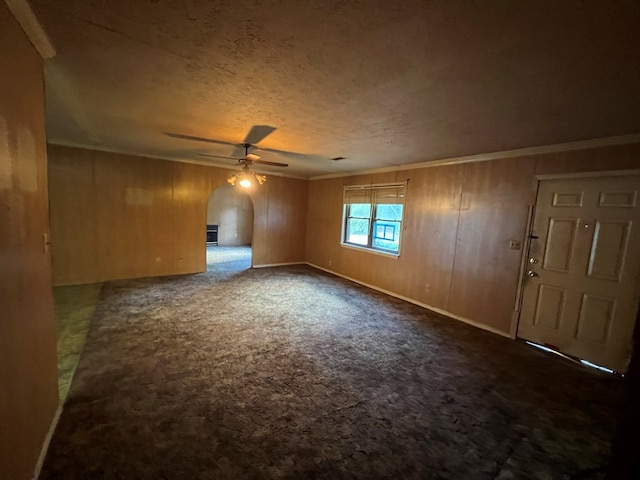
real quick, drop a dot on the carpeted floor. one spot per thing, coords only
(291, 373)
(227, 261)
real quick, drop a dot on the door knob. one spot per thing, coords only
(533, 260)
(531, 273)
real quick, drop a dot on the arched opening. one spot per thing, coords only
(229, 230)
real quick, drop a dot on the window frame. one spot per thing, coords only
(372, 192)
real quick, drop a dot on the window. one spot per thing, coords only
(373, 216)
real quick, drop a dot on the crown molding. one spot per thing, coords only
(204, 163)
(483, 157)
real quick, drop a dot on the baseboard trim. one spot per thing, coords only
(266, 265)
(437, 310)
(47, 441)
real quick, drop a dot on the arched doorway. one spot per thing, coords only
(229, 229)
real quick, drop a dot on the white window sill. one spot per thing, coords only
(370, 250)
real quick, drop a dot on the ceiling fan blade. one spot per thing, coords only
(215, 156)
(257, 133)
(250, 157)
(273, 164)
(299, 156)
(197, 139)
(238, 152)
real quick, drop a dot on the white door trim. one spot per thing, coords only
(517, 307)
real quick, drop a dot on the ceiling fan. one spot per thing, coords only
(246, 177)
(256, 134)
(248, 159)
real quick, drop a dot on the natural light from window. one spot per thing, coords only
(373, 217)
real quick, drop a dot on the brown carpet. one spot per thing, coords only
(290, 373)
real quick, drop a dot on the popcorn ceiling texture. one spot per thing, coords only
(378, 82)
(289, 372)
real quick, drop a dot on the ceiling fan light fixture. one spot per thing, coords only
(246, 178)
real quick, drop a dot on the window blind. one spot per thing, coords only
(390, 195)
(357, 195)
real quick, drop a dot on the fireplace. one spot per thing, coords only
(212, 234)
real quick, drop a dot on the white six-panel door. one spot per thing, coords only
(582, 286)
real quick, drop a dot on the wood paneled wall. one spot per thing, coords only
(280, 220)
(493, 211)
(118, 216)
(28, 376)
(458, 223)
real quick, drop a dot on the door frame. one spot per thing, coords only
(526, 246)
(253, 215)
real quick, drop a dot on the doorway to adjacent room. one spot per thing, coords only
(229, 230)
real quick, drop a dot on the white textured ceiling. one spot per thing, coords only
(376, 81)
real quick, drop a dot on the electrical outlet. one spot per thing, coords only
(427, 287)
(158, 259)
(330, 262)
